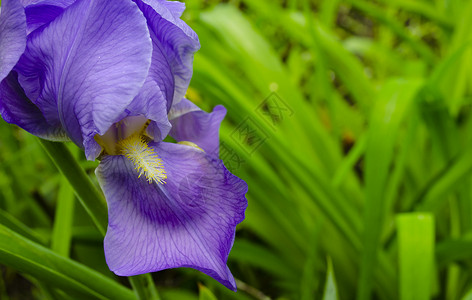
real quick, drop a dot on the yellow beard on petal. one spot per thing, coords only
(145, 160)
(187, 143)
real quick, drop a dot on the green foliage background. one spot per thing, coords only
(349, 120)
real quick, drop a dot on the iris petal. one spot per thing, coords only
(150, 102)
(86, 81)
(190, 123)
(175, 39)
(188, 222)
(17, 109)
(39, 13)
(12, 35)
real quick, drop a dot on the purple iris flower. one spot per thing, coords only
(110, 75)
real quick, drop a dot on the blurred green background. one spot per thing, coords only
(351, 123)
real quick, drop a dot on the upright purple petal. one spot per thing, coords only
(151, 103)
(190, 123)
(17, 109)
(155, 95)
(60, 3)
(161, 71)
(187, 222)
(175, 9)
(86, 66)
(12, 35)
(175, 39)
(39, 13)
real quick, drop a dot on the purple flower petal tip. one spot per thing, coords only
(190, 123)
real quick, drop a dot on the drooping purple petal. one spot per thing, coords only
(175, 39)
(187, 222)
(190, 123)
(12, 35)
(86, 80)
(16, 108)
(39, 13)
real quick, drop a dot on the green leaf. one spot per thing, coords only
(379, 14)
(55, 270)
(425, 9)
(456, 83)
(393, 104)
(178, 293)
(143, 286)
(87, 193)
(445, 182)
(468, 295)
(11, 222)
(257, 255)
(330, 291)
(62, 230)
(345, 64)
(205, 293)
(451, 251)
(309, 276)
(416, 255)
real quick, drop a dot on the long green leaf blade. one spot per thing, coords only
(416, 255)
(62, 230)
(40, 262)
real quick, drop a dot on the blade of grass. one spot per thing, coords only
(434, 193)
(205, 293)
(344, 63)
(416, 255)
(328, 12)
(26, 256)
(349, 161)
(259, 256)
(468, 295)
(260, 63)
(378, 13)
(14, 224)
(455, 83)
(178, 293)
(308, 282)
(393, 186)
(62, 230)
(330, 291)
(143, 286)
(393, 105)
(424, 9)
(86, 192)
(453, 251)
